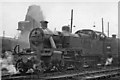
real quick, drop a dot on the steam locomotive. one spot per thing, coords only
(63, 50)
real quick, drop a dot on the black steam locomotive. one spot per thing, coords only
(63, 50)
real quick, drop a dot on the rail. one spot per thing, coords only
(73, 74)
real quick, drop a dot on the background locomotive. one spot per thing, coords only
(62, 50)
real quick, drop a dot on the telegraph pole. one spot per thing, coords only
(103, 33)
(108, 29)
(3, 33)
(71, 19)
(102, 26)
(3, 38)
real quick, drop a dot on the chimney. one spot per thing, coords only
(66, 28)
(44, 24)
(113, 36)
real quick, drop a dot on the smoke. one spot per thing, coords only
(7, 63)
(34, 16)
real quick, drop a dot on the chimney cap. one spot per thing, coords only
(114, 35)
(43, 21)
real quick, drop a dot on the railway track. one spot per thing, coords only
(88, 74)
(70, 74)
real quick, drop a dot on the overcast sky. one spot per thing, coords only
(86, 14)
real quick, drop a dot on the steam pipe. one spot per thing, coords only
(52, 42)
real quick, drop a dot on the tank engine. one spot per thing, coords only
(63, 50)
